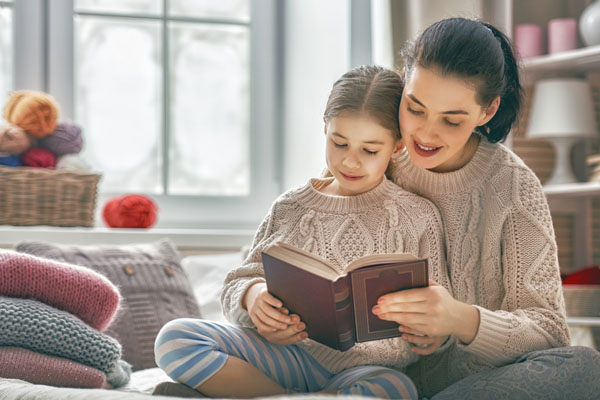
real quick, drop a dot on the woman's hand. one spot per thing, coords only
(429, 311)
(272, 320)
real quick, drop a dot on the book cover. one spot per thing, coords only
(337, 308)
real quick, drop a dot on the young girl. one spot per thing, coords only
(356, 212)
(505, 308)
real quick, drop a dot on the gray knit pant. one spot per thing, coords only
(560, 373)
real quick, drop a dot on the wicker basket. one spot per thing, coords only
(40, 196)
(584, 301)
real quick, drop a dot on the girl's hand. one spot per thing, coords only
(420, 343)
(430, 311)
(272, 320)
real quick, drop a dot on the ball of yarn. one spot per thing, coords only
(74, 163)
(13, 139)
(38, 157)
(130, 211)
(66, 139)
(10, 160)
(36, 112)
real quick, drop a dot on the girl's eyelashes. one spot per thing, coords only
(369, 152)
(339, 144)
(453, 124)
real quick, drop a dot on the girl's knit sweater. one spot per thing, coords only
(340, 229)
(501, 256)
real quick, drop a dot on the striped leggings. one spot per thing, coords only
(190, 351)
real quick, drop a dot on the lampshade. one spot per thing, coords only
(562, 108)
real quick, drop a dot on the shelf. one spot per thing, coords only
(579, 60)
(586, 321)
(582, 189)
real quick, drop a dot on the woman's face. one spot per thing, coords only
(437, 117)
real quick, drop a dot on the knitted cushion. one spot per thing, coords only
(41, 328)
(78, 290)
(153, 286)
(19, 363)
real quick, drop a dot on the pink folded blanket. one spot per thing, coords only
(77, 290)
(19, 363)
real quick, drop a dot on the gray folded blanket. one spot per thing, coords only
(41, 328)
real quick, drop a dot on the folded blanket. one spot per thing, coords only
(77, 290)
(41, 328)
(19, 363)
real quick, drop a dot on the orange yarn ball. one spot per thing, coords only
(36, 112)
(130, 211)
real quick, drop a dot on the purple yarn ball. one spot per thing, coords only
(66, 139)
(10, 160)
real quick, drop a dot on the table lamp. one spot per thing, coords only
(562, 111)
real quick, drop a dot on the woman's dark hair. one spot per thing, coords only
(482, 55)
(370, 90)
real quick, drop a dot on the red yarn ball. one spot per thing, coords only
(38, 157)
(130, 211)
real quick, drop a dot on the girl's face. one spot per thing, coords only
(437, 117)
(358, 152)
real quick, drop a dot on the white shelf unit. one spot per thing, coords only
(570, 199)
(574, 61)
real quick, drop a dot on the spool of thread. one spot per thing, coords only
(66, 139)
(13, 140)
(38, 157)
(10, 160)
(562, 35)
(528, 40)
(74, 163)
(130, 211)
(36, 112)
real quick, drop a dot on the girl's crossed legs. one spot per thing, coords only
(192, 351)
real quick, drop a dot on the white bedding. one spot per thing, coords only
(206, 273)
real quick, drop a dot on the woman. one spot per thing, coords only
(502, 320)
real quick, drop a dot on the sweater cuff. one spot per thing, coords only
(491, 338)
(239, 314)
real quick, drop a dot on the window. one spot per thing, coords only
(6, 48)
(176, 99)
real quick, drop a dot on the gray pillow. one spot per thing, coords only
(153, 286)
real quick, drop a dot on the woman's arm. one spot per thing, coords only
(532, 313)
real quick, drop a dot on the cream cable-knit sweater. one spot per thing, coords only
(386, 219)
(501, 257)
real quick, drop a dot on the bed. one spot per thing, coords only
(206, 273)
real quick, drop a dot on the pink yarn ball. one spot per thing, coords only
(66, 139)
(38, 157)
(13, 139)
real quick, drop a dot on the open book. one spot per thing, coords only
(337, 308)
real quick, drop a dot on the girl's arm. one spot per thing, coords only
(240, 279)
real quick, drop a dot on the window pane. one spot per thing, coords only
(234, 9)
(209, 142)
(118, 100)
(120, 6)
(6, 48)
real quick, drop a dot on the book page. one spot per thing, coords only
(375, 259)
(303, 260)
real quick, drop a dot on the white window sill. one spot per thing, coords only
(210, 239)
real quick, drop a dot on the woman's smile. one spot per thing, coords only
(426, 151)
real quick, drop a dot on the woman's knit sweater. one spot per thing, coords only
(340, 229)
(501, 256)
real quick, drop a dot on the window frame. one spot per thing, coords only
(44, 61)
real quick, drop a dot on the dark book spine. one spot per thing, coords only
(344, 314)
